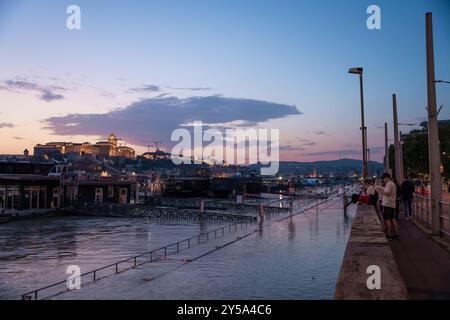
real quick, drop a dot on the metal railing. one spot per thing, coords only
(143, 258)
(161, 214)
(422, 212)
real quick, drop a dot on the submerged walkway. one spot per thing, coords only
(422, 262)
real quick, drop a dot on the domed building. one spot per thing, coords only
(111, 148)
(112, 139)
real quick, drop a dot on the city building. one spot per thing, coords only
(34, 192)
(108, 148)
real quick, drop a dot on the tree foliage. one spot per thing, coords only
(415, 152)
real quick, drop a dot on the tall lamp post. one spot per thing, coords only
(386, 148)
(359, 71)
(434, 154)
(397, 155)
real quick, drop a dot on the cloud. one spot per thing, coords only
(299, 144)
(155, 118)
(344, 152)
(50, 96)
(157, 88)
(307, 144)
(46, 93)
(289, 147)
(192, 88)
(6, 125)
(146, 88)
(352, 145)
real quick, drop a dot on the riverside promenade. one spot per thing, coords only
(416, 267)
(423, 262)
(368, 247)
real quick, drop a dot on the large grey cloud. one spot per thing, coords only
(155, 118)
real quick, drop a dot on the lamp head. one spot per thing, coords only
(358, 70)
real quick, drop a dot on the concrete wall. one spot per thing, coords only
(368, 246)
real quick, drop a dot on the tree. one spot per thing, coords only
(415, 151)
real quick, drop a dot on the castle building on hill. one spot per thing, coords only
(109, 148)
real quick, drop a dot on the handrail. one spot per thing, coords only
(34, 294)
(422, 212)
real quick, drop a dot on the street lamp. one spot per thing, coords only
(359, 71)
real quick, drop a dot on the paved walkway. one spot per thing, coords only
(423, 263)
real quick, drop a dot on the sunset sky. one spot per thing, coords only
(141, 69)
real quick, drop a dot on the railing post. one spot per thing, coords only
(202, 207)
(95, 276)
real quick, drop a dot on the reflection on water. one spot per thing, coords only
(296, 257)
(36, 253)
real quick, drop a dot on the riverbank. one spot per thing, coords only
(368, 248)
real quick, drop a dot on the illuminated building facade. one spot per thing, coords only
(109, 148)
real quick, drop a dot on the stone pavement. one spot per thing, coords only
(368, 246)
(423, 263)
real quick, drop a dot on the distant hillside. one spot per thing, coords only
(337, 167)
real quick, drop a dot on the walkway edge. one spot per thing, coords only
(368, 246)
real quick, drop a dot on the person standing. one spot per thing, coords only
(371, 193)
(407, 197)
(389, 195)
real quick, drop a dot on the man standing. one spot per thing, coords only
(389, 194)
(407, 197)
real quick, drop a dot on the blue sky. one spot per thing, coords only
(290, 53)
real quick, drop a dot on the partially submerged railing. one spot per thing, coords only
(422, 212)
(144, 258)
(163, 214)
(223, 205)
